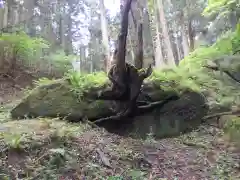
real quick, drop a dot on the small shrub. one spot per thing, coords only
(33, 53)
(191, 73)
(14, 140)
(21, 46)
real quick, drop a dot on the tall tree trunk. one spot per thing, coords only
(5, 16)
(176, 47)
(122, 38)
(30, 25)
(147, 35)
(159, 62)
(15, 14)
(82, 57)
(190, 35)
(138, 61)
(131, 47)
(68, 46)
(178, 50)
(61, 31)
(104, 29)
(184, 35)
(132, 31)
(170, 56)
(190, 30)
(10, 5)
(1, 17)
(21, 16)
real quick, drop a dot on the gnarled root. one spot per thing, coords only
(133, 110)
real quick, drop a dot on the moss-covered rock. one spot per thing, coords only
(58, 99)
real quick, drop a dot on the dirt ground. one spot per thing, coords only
(52, 149)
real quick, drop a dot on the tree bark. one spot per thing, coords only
(159, 62)
(105, 34)
(190, 35)
(123, 37)
(125, 78)
(147, 35)
(184, 35)
(170, 56)
(138, 61)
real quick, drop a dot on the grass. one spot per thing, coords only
(53, 149)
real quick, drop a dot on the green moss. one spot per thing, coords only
(58, 98)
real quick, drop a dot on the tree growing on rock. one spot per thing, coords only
(126, 79)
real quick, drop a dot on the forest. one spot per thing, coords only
(119, 89)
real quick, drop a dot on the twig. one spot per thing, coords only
(194, 144)
(216, 68)
(116, 117)
(236, 112)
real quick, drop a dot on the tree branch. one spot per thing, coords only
(236, 112)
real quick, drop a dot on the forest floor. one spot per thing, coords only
(52, 149)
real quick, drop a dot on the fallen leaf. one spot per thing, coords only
(103, 158)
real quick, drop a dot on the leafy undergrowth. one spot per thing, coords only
(191, 73)
(53, 149)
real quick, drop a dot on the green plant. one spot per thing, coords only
(224, 7)
(43, 81)
(192, 75)
(236, 40)
(14, 140)
(115, 178)
(21, 46)
(83, 82)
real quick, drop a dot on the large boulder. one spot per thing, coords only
(58, 99)
(174, 118)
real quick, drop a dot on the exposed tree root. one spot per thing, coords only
(137, 110)
(126, 79)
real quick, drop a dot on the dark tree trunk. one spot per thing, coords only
(125, 78)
